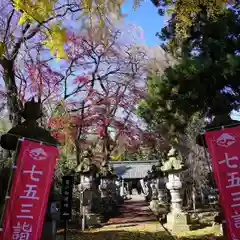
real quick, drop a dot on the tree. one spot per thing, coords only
(198, 166)
(21, 43)
(205, 81)
(104, 15)
(184, 17)
(107, 82)
(202, 85)
(100, 15)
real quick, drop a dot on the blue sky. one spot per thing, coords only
(145, 16)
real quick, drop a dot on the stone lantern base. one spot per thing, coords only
(178, 222)
(92, 220)
(158, 208)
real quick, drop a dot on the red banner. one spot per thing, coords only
(32, 179)
(224, 149)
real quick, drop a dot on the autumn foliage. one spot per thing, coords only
(91, 92)
(107, 82)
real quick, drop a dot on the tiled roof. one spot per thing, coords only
(133, 169)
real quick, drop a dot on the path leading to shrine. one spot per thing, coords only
(133, 212)
(136, 222)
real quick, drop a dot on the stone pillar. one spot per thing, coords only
(145, 188)
(122, 190)
(112, 189)
(118, 187)
(52, 215)
(177, 220)
(157, 204)
(108, 197)
(154, 188)
(161, 190)
(174, 185)
(86, 201)
(154, 205)
(103, 188)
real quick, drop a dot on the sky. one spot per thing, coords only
(146, 17)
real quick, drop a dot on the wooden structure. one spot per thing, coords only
(133, 169)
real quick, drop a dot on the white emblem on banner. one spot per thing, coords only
(225, 140)
(38, 154)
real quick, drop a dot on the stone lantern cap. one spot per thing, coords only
(28, 129)
(86, 167)
(174, 163)
(106, 170)
(155, 172)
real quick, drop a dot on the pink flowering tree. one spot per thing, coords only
(21, 49)
(107, 82)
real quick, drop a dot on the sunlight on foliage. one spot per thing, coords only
(38, 10)
(215, 230)
(56, 39)
(187, 10)
(184, 14)
(94, 14)
(116, 157)
(2, 48)
(149, 231)
(100, 15)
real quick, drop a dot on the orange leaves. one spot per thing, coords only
(59, 122)
(61, 127)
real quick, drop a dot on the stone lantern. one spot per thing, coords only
(108, 189)
(29, 129)
(157, 185)
(107, 177)
(177, 220)
(87, 172)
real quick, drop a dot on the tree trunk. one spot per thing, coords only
(13, 103)
(194, 199)
(78, 152)
(202, 197)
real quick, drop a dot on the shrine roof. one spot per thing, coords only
(132, 169)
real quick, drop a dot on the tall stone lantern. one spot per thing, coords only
(177, 220)
(87, 172)
(107, 177)
(108, 188)
(157, 185)
(30, 129)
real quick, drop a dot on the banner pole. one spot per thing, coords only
(65, 229)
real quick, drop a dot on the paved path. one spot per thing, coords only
(136, 222)
(133, 211)
(135, 218)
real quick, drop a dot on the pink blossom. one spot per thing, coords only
(106, 121)
(80, 79)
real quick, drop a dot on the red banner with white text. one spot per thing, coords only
(224, 148)
(26, 207)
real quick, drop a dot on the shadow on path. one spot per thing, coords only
(133, 212)
(126, 235)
